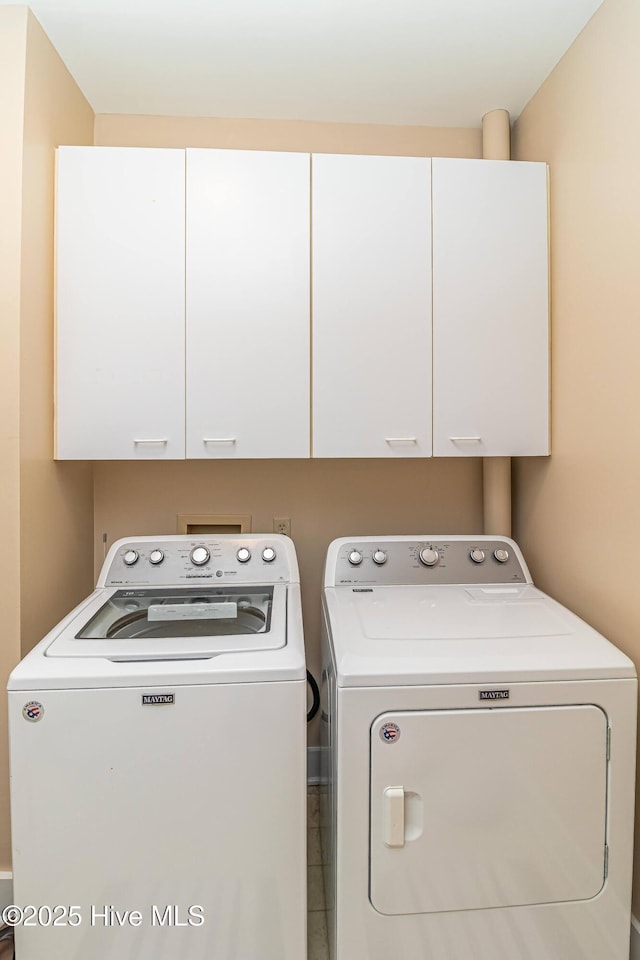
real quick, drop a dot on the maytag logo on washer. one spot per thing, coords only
(494, 694)
(157, 699)
(390, 732)
(33, 711)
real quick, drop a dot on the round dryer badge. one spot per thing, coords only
(33, 711)
(389, 732)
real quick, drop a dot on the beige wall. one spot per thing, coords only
(325, 499)
(577, 515)
(13, 40)
(306, 136)
(46, 510)
(56, 509)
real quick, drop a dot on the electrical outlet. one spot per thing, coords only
(282, 525)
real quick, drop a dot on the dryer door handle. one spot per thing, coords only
(394, 817)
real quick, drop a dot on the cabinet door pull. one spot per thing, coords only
(465, 439)
(408, 440)
(161, 440)
(229, 440)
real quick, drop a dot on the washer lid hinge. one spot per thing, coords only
(606, 861)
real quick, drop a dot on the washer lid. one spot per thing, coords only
(385, 636)
(176, 623)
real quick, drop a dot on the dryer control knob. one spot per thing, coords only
(130, 557)
(156, 556)
(268, 554)
(379, 557)
(199, 556)
(429, 557)
(243, 554)
(355, 557)
(501, 555)
(477, 555)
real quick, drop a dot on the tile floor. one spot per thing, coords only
(316, 910)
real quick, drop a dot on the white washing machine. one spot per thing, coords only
(158, 760)
(481, 752)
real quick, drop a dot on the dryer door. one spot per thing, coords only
(473, 809)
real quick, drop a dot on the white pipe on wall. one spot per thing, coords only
(496, 471)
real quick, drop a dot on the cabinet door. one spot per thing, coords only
(371, 306)
(120, 304)
(247, 304)
(490, 309)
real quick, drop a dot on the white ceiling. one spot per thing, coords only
(435, 62)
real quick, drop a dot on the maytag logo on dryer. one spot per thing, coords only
(494, 694)
(157, 699)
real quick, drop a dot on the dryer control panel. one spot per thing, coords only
(425, 560)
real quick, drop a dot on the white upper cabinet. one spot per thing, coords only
(490, 309)
(231, 304)
(371, 273)
(120, 304)
(247, 304)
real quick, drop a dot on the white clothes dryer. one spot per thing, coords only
(158, 760)
(480, 748)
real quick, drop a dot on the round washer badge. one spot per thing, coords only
(33, 711)
(390, 732)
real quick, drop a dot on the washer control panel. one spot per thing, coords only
(191, 560)
(425, 560)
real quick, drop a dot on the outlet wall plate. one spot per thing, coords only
(282, 525)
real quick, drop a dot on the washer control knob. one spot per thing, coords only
(200, 556)
(156, 556)
(477, 555)
(501, 555)
(130, 557)
(429, 557)
(379, 557)
(268, 554)
(243, 554)
(355, 557)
